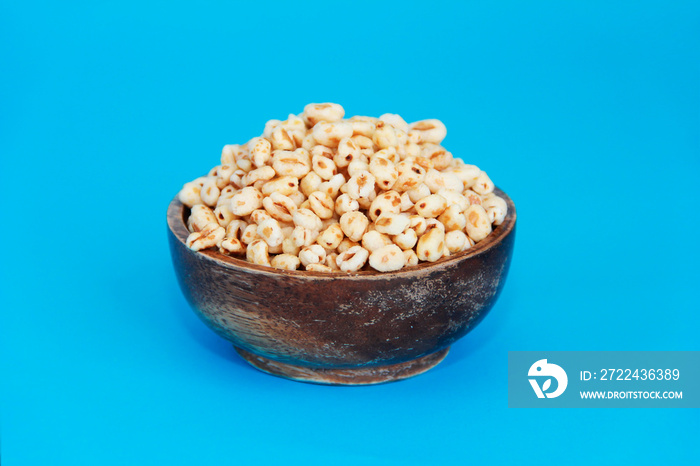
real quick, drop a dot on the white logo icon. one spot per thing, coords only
(542, 369)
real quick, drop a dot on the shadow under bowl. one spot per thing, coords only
(342, 329)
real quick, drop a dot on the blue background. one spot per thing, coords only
(586, 113)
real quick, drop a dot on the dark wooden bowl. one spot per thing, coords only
(361, 328)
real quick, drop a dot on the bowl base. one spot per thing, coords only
(349, 376)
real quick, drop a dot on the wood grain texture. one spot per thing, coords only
(342, 321)
(352, 376)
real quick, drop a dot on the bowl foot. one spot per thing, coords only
(350, 376)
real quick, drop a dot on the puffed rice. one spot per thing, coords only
(246, 201)
(354, 225)
(200, 216)
(352, 259)
(387, 259)
(478, 224)
(314, 254)
(496, 208)
(285, 261)
(326, 193)
(257, 253)
(207, 237)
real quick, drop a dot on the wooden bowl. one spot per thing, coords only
(346, 329)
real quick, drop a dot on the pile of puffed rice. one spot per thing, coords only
(330, 194)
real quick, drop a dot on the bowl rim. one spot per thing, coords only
(178, 229)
